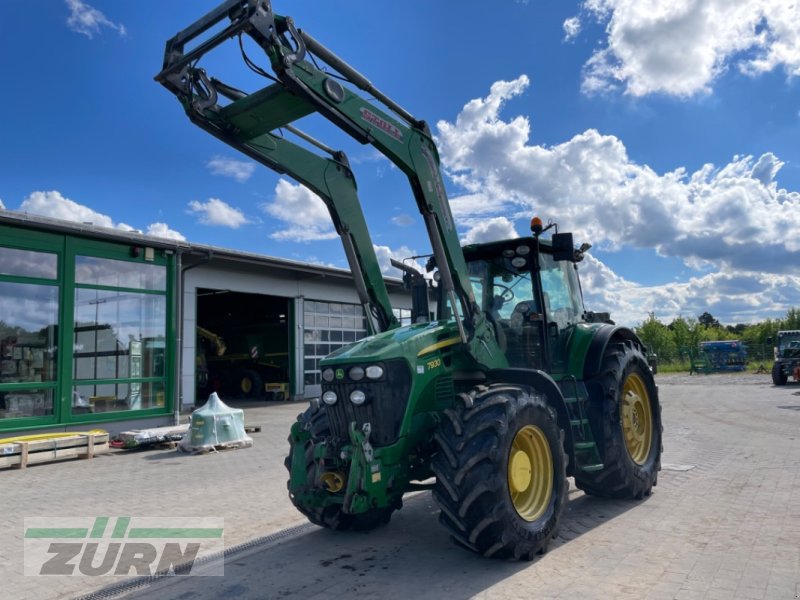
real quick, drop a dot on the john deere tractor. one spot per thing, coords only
(509, 390)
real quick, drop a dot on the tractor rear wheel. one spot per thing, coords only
(501, 473)
(330, 516)
(778, 376)
(251, 384)
(626, 419)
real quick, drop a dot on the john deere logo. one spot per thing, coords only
(339, 373)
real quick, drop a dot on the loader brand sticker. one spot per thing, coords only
(382, 124)
(339, 373)
(123, 546)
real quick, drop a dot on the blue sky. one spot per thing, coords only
(663, 132)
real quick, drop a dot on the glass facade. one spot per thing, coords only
(327, 327)
(119, 338)
(28, 348)
(85, 330)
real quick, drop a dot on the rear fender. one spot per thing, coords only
(597, 348)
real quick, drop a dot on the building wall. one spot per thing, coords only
(297, 286)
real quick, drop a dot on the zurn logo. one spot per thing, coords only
(123, 546)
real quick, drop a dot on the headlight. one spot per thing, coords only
(356, 373)
(327, 375)
(357, 397)
(329, 398)
(374, 372)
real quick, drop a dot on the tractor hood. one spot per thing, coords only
(408, 342)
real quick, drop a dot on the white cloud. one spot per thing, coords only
(385, 254)
(679, 48)
(162, 230)
(55, 206)
(731, 297)
(490, 230)
(52, 204)
(728, 219)
(303, 211)
(217, 212)
(239, 170)
(572, 27)
(88, 20)
(734, 215)
(403, 220)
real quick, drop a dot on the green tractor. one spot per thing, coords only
(511, 388)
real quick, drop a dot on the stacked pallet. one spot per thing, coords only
(159, 437)
(19, 452)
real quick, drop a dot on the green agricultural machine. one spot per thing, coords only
(512, 388)
(787, 357)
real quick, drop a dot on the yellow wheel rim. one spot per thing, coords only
(246, 385)
(530, 473)
(637, 418)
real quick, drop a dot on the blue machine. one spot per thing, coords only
(728, 355)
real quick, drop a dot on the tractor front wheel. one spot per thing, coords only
(501, 473)
(778, 376)
(331, 515)
(626, 421)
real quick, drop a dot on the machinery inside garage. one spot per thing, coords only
(242, 345)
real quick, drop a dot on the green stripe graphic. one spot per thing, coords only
(122, 530)
(175, 532)
(99, 528)
(55, 532)
(121, 527)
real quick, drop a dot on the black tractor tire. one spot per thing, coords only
(475, 486)
(250, 384)
(331, 516)
(778, 376)
(631, 468)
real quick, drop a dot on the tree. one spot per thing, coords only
(658, 338)
(708, 320)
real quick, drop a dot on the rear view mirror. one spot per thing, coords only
(563, 248)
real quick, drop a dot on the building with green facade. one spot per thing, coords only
(105, 328)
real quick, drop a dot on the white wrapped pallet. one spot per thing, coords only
(215, 425)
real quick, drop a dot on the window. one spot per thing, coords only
(28, 263)
(119, 273)
(119, 335)
(28, 347)
(328, 327)
(561, 291)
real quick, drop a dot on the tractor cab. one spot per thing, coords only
(531, 295)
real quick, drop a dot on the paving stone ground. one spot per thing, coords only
(724, 521)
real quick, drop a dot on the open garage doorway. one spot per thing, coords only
(242, 345)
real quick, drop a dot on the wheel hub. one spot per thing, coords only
(530, 473)
(637, 418)
(519, 471)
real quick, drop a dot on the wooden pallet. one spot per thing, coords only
(20, 453)
(153, 437)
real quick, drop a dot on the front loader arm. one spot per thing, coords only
(330, 178)
(303, 88)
